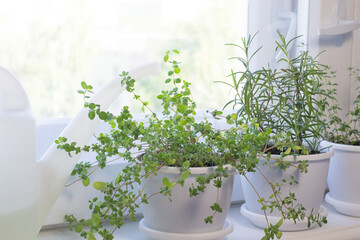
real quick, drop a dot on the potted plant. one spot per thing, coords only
(167, 155)
(290, 99)
(179, 170)
(343, 135)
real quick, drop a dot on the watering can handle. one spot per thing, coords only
(12, 93)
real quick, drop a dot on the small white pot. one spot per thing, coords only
(185, 214)
(344, 179)
(309, 191)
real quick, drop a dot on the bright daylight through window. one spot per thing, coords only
(53, 45)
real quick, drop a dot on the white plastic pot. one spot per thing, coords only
(184, 215)
(344, 179)
(309, 191)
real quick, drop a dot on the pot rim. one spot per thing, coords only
(193, 170)
(343, 147)
(310, 157)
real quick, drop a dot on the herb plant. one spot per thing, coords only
(290, 99)
(344, 131)
(171, 138)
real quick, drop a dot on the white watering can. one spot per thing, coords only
(29, 188)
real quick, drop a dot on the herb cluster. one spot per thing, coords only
(290, 99)
(344, 131)
(172, 138)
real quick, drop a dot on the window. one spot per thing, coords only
(53, 45)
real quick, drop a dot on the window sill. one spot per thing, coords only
(338, 227)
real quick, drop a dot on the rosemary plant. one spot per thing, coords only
(290, 99)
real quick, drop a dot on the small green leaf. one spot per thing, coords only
(118, 178)
(184, 175)
(186, 164)
(279, 223)
(207, 127)
(166, 58)
(86, 182)
(268, 130)
(229, 121)
(209, 219)
(84, 85)
(297, 148)
(96, 220)
(288, 150)
(100, 186)
(182, 108)
(216, 207)
(166, 182)
(91, 236)
(182, 123)
(233, 116)
(172, 161)
(103, 115)
(266, 237)
(92, 105)
(78, 228)
(91, 115)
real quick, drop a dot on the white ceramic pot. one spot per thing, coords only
(344, 179)
(309, 192)
(185, 214)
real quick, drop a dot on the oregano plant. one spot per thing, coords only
(344, 131)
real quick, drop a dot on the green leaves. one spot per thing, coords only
(178, 138)
(85, 90)
(343, 130)
(209, 219)
(168, 184)
(290, 99)
(216, 207)
(166, 57)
